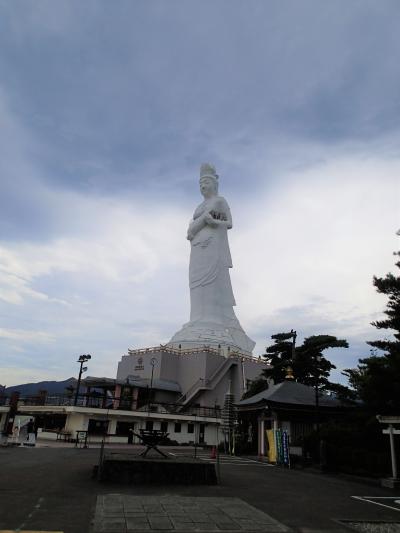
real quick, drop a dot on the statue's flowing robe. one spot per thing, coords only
(211, 292)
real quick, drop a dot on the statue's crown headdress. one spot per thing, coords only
(208, 171)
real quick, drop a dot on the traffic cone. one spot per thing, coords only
(213, 453)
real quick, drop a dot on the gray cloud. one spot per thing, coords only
(109, 91)
(108, 110)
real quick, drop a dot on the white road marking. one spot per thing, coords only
(234, 458)
(37, 506)
(254, 460)
(366, 499)
(237, 464)
(228, 460)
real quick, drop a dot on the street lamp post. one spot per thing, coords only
(82, 359)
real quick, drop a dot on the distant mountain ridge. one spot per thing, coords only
(52, 387)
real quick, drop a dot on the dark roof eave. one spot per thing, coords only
(289, 406)
(307, 407)
(253, 407)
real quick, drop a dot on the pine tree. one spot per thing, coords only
(377, 378)
(256, 386)
(280, 355)
(307, 361)
(311, 364)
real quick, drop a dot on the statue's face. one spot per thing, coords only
(207, 187)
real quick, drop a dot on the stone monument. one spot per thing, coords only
(212, 319)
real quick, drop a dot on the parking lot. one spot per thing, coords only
(52, 489)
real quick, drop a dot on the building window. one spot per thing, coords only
(178, 427)
(164, 426)
(50, 421)
(97, 427)
(149, 425)
(123, 428)
(300, 430)
(190, 428)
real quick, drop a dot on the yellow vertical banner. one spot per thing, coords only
(271, 446)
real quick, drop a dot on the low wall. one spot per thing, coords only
(125, 468)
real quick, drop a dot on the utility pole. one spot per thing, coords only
(317, 360)
(289, 369)
(153, 362)
(294, 335)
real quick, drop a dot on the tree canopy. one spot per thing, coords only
(377, 378)
(279, 355)
(308, 361)
(256, 386)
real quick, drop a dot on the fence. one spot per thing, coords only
(95, 401)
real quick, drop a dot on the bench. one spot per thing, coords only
(64, 435)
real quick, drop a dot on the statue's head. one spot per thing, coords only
(208, 180)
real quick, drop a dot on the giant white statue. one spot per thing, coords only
(212, 319)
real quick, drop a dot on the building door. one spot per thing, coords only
(202, 430)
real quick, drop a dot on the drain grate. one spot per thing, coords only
(375, 526)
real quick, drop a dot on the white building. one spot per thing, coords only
(178, 391)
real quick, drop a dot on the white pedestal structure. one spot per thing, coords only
(228, 338)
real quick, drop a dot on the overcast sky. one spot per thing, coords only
(107, 110)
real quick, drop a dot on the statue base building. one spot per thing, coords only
(190, 376)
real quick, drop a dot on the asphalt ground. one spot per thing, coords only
(52, 489)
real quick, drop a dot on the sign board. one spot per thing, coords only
(139, 364)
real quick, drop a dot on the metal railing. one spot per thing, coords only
(163, 348)
(113, 403)
(202, 383)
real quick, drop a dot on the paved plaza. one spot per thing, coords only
(122, 513)
(52, 489)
